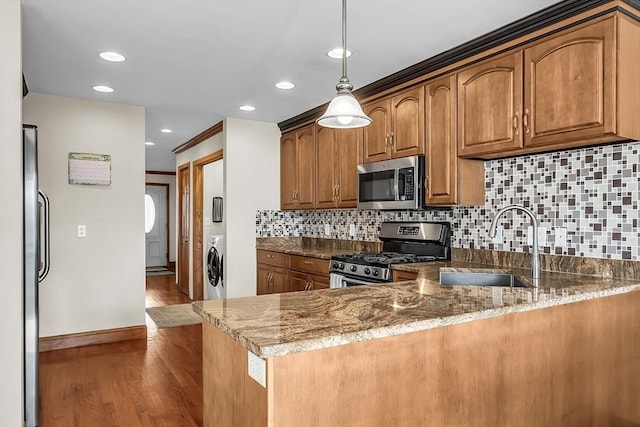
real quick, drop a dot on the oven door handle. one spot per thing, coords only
(348, 281)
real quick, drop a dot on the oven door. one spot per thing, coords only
(340, 281)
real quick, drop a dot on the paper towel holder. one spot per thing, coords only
(216, 211)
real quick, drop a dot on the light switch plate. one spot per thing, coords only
(327, 230)
(542, 236)
(561, 237)
(498, 239)
(352, 230)
(82, 231)
(257, 369)
(207, 220)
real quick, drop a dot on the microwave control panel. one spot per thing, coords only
(406, 188)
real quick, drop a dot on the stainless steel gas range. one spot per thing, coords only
(403, 242)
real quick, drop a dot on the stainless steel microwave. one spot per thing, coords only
(392, 184)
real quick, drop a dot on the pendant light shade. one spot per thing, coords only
(344, 110)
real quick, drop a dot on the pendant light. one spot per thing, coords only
(344, 110)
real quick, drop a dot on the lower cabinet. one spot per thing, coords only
(401, 276)
(278, 272)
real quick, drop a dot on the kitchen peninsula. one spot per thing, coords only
(417, 353)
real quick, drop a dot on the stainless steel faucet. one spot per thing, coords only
(535, 259)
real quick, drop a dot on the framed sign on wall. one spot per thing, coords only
(89, 169)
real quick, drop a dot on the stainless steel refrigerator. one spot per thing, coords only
(36, 264)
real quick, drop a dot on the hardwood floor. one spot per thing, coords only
(153, 382)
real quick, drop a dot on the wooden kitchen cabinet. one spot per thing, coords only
(450, 180)
(398, 126)
(575, 88)
(338, 153)
(570, 86)
(489, 103)
(272, 272)
(297, 169)
(278, 272)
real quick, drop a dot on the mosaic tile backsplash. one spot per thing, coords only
(592, 192)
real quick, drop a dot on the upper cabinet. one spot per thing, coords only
(570, 86)
(297, 169)
(398, 126)
(338, 153)
(489, 103)
(450, 180)
(572, 89)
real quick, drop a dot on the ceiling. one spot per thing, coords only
(191, 63)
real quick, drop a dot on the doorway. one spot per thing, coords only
(156, 225)
(198, 222)
(184, 227)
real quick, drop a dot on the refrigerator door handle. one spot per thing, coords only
(47, 234)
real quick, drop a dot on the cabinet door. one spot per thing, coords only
(376, 135)
(349, 149)
(441, 141)
(263, 282)
(288, 171)
(298, 281)
(279, 280)
(319, 282)
(306, 166)
(326, 163)
(489, 104)
(407, 113)
(570, 86)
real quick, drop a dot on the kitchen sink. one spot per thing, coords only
(480, 279)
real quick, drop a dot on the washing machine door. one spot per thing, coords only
(214, 267)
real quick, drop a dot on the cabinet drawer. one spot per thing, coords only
(273, 258)
(310, 265)
(400, 276)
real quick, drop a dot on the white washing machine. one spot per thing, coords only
(215, 270)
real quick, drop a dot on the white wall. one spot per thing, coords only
(96, 282)
(211, 145)
(11, 215)
(171, 180)
(252, 182)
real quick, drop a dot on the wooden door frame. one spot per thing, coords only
(182, 262)
(159, 184)
(198, 221)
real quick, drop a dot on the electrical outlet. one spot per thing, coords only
(327, 230)
(257, 369)
(207, 220)
(352, 230)
(561, 237)
(82, 231)
(542, 236)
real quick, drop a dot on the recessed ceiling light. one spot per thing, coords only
(337, 53)
(112, 56)
(103, 89)
(285, 85)
(149, 143)
(247, 108)
(166, 130)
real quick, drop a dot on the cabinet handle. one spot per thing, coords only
(308, 262)
(515, 124)
(337, 191)
(525, 121)
(391, 139)
(269, 256)
(386, 141)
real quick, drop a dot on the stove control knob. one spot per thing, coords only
(367, 270)
(335, 265)
(353, 268)
(376, 272)
(341, 266)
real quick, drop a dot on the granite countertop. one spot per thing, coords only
(280, 324)
(316, 248)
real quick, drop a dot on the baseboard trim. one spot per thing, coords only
(60, 342)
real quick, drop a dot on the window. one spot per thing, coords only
(149, 213)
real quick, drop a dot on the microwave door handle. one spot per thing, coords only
(396, 176)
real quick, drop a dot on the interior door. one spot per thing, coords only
(184, 226)
(156, 225)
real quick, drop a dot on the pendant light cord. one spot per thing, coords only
(344, 42)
